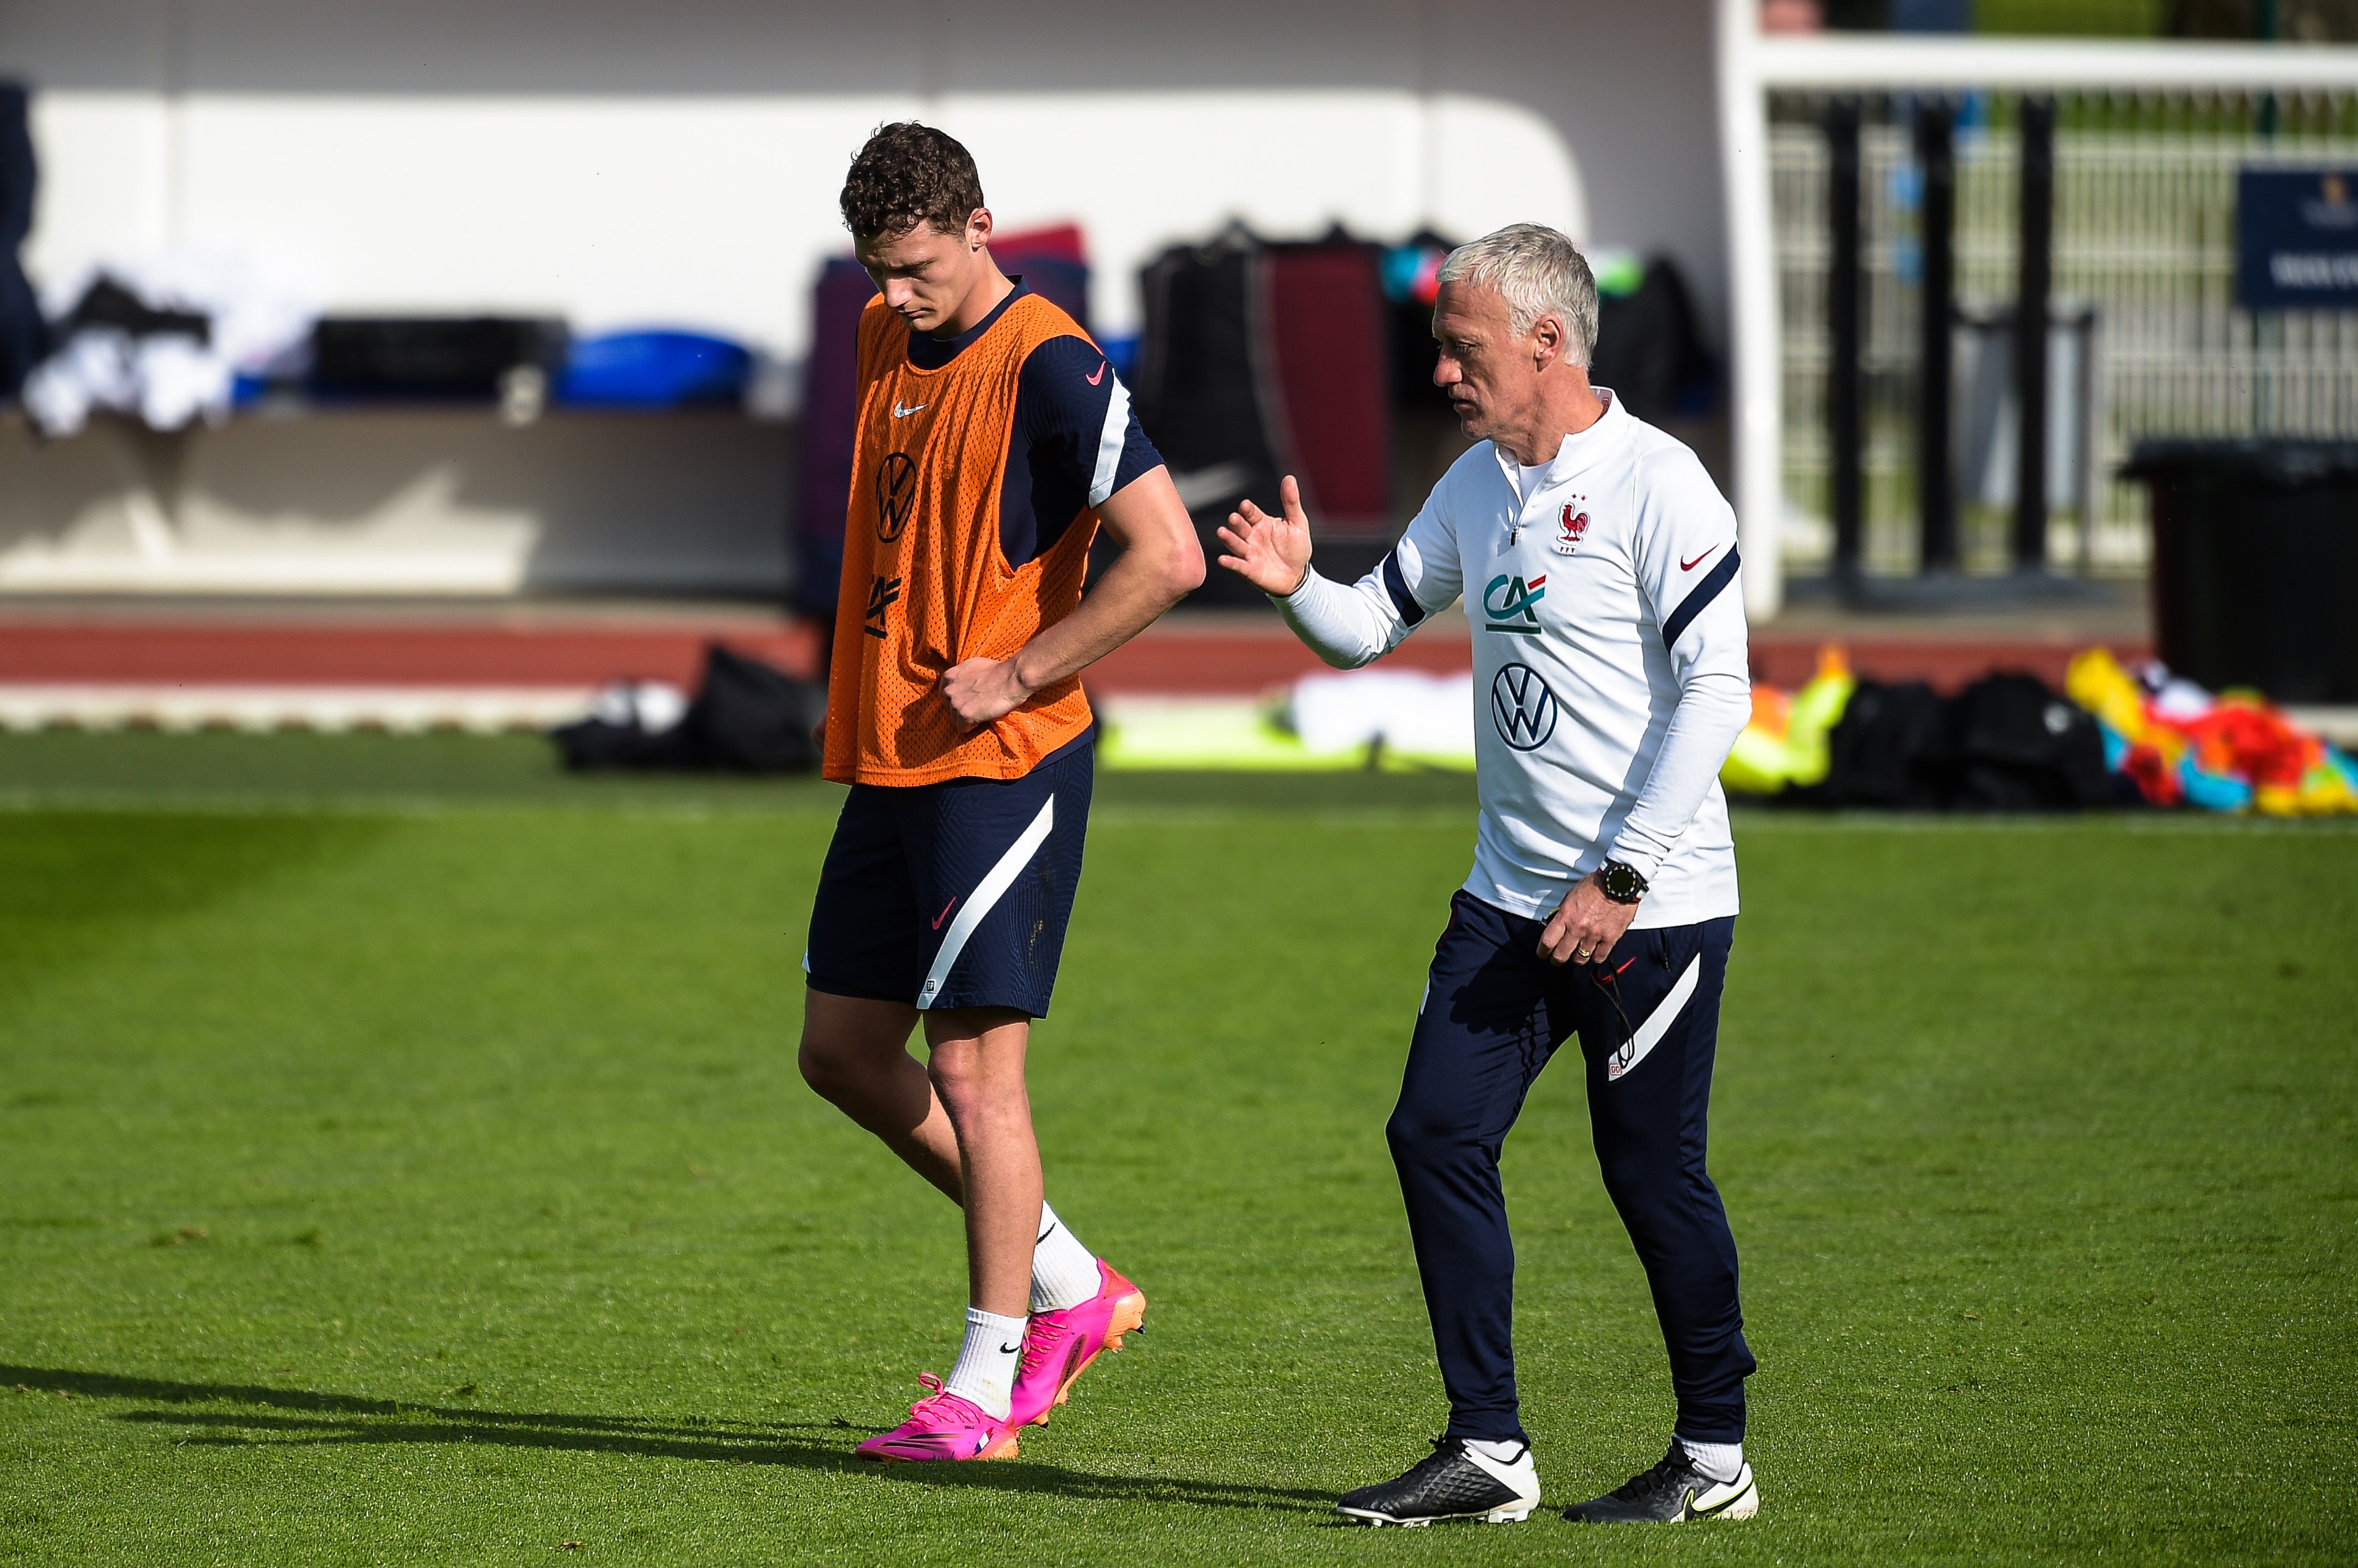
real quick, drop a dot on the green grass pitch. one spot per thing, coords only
(402, 1160)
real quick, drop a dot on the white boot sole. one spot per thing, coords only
(1513, 1514)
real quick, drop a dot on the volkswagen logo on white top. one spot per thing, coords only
(1521, 707)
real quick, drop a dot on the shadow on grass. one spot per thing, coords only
(311, 1418)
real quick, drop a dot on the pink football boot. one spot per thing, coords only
(1059, 1345)
(943, 1426)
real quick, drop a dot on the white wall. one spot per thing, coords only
(624, 163)
(414, 501)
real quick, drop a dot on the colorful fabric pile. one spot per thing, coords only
(2184, 746)
(1786, 743)
(2174, 744)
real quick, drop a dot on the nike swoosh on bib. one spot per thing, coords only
(901, 413)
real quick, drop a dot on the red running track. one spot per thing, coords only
(146, 653)
(1176, 659)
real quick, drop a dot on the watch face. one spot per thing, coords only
(1622, 883)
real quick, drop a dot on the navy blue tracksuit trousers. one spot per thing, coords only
(1494, 1013)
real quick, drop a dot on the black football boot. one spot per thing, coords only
(1672, 1491)
(1454, 1482)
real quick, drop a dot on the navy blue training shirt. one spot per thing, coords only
(1066, 397)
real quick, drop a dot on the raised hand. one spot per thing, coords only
(1270, 553)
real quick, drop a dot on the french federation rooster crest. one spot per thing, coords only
(1573, 525)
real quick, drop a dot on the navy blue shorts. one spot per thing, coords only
(954, 894)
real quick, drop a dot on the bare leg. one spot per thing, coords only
(978, 1073)
(965, 1125)
(855, 1054)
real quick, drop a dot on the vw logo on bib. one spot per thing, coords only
(896, 495)
(1522, 707)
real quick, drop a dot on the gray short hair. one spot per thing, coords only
(1539, 273)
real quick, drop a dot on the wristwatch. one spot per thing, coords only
(1620, 882)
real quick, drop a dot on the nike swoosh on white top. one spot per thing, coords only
(901, 413)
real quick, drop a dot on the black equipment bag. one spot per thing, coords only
(753, 718)
(1259, 360)
(425, 356)
(749, 717)
(2005, 743)
(624, 741)
(2014, 745)
(1887, 750)
(1202, 379)
(1207, 391)
(1648, 350)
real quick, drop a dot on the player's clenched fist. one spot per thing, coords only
(979, 691)
(1270, 553)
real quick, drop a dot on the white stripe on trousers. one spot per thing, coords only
(991, 889)
(1649, 1034)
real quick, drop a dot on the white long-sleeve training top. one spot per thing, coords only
(1610, 670)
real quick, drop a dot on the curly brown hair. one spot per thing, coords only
(906, 175)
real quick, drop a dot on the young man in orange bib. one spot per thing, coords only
(993, 440)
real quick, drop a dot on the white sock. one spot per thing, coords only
(985, 1372)
(1507, 1462)
(1064, 1272)
(1722, 1462)
(1506, 1453)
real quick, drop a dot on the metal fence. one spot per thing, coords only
(2145, 191)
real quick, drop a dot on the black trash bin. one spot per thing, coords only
(2256, 563)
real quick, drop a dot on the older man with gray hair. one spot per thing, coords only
(1598, 566)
